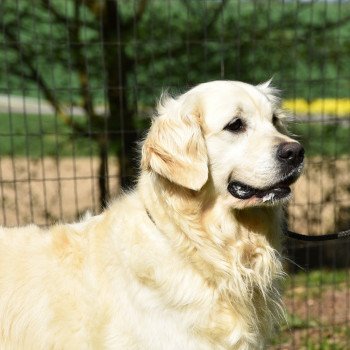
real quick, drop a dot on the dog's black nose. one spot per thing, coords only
(291, 153)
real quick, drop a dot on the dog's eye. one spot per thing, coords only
(235, 126)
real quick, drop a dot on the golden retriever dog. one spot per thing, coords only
(188, 260)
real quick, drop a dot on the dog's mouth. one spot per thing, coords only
(278, 191)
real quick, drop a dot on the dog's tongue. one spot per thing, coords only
(242, 191)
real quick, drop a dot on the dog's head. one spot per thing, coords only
(230, 132)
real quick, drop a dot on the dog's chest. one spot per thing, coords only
(181, 310)
(246, 302)
(158, 320)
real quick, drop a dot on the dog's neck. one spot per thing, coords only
(202, 221)
(235, 251)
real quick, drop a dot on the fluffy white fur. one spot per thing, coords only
(178, 263)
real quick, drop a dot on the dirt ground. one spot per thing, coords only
(321, 202)
(45, 191)
(319, 318)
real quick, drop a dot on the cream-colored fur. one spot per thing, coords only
(176, 264)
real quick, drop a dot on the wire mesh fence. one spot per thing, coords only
(78, 83)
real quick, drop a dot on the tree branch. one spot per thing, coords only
(36, 77)
(213, 19)
(217, 14)
(96, 7)
(79, 62)
(74, 25)
(47, 5)
(141, 8)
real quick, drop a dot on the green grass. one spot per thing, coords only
(35, 136)
(303, 329)
(318, 278)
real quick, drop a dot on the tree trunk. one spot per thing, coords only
(117, 66)
(103, 183)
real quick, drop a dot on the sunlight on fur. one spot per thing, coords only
(190, 259)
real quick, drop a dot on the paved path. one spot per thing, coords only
(30, 105)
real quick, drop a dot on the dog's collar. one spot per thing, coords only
(298, 236)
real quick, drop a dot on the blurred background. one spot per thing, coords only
(79, 80)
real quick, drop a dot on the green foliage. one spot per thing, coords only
(37, 136)
(180, 43)
(318, 278)
(331, 140)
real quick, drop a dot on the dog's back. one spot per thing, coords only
(87, 285)
(41, 288)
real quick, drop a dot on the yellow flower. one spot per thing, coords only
(327, 106)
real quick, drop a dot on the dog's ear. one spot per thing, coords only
(175, 148)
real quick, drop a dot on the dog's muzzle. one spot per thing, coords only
(290, 156)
